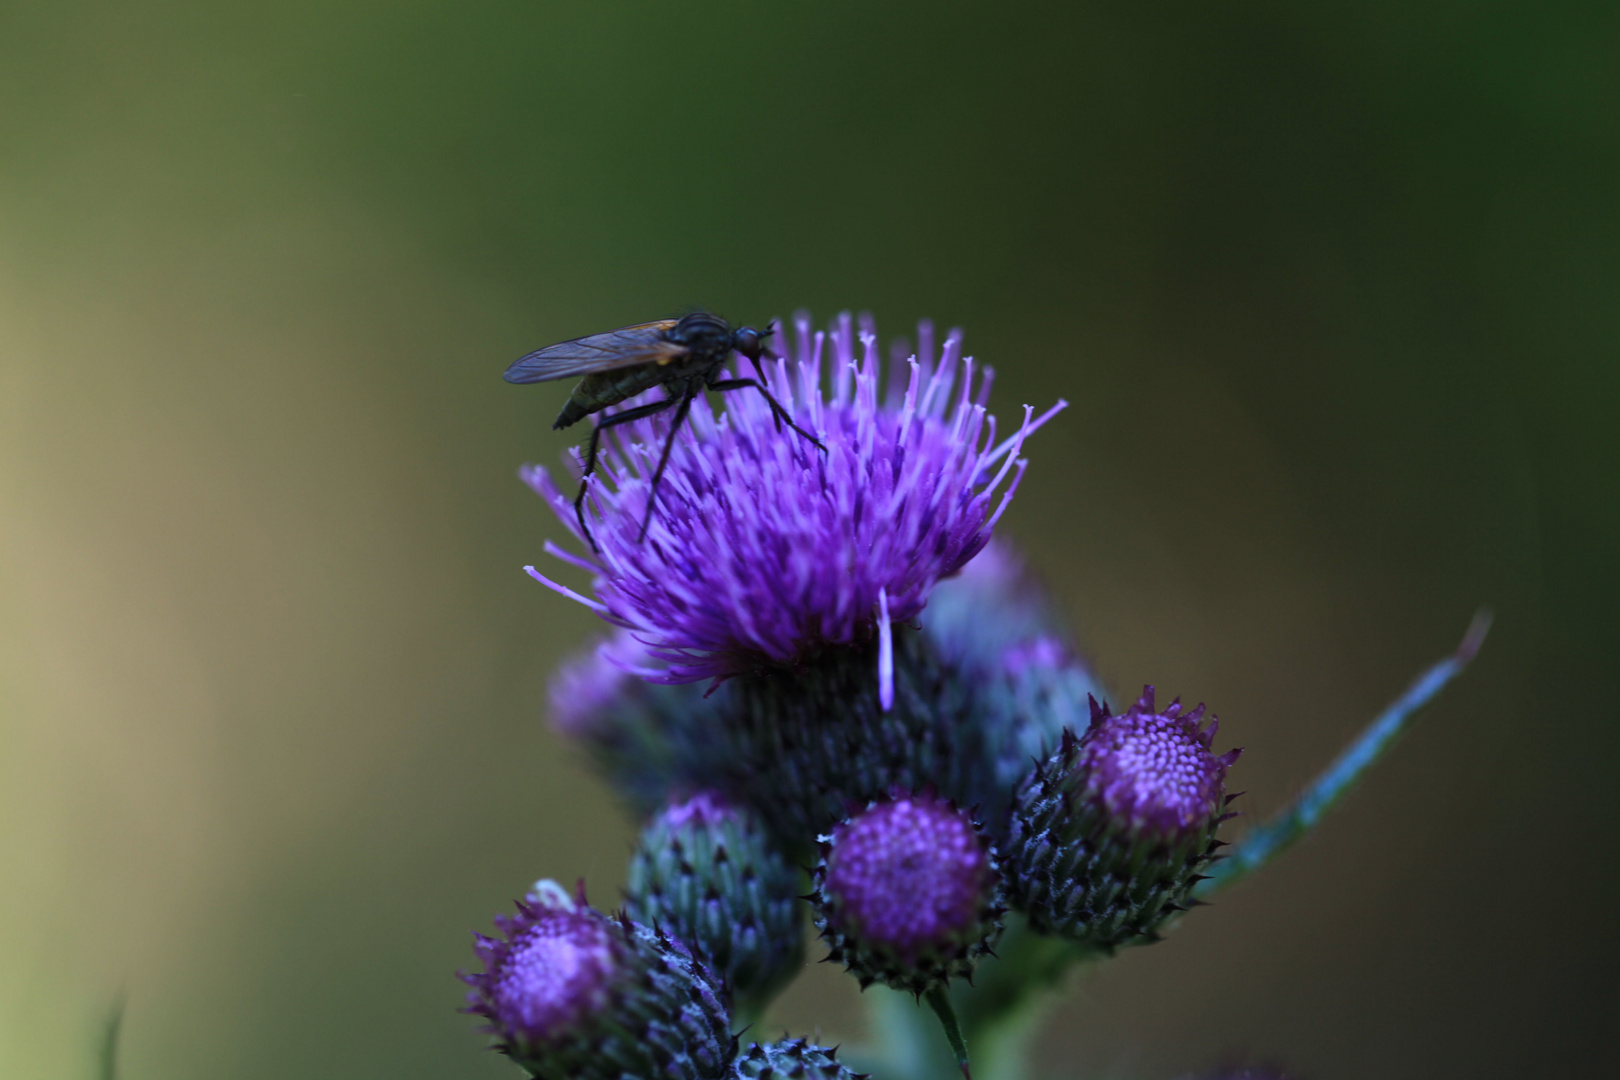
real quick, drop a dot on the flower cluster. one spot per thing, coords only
(896, 738)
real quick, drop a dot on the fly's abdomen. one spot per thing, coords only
(596, 392)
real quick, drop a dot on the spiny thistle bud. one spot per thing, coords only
(908, 893)
(1108, 833)
(993, 624)
(646, 737)
(791, 1059)
(571, 994)
(705, 872)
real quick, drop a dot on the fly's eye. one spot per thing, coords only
(747, 342)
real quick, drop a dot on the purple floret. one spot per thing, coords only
(1154, 771)
(763, 549)
(552, 969)
(907, 876)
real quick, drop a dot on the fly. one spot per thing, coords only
(682, 355)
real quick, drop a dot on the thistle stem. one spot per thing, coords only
(1264, 842)
(939, 999)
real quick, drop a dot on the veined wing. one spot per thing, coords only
(625, 347)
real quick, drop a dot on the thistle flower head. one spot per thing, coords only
(908, 892)
(554, 967)
(994, 614)
(763, 549)
(569, 992)
(907, 873)
(994, 624)
(591, 687)
(1153, 772)
(1108, 833)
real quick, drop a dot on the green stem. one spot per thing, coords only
(908, 1043)
(1265, 842)
(999, 1015)
(1011, 996)
(1026, 966)
(939, 999)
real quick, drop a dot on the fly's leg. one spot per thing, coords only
(778, 413)
(663, 459)
(637, 413)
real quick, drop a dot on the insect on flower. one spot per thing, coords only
(683, 355)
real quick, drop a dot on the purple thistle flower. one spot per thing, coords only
(994, 624)
(762, 549)
(705, 810)
(588, 689)
(1153, 772)
(991, 610)
(908, 892)
(907, 874)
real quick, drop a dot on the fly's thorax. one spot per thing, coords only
(692, 372)
(709, 341)
(708, 337)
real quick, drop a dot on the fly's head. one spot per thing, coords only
(751, 343)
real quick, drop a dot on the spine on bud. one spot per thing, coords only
(791, 1059)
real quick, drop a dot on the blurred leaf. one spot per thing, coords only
(107, 1059)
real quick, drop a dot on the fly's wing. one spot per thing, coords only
(624, 347)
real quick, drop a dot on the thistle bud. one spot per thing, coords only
(994, 626)
(646, 738)
(1108, 833)
(571, 994)
(908, 893)
(791, 1059)
(705, 872)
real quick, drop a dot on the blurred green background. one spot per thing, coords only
(1333, 289)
